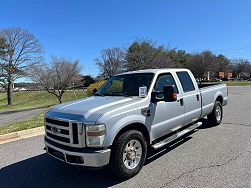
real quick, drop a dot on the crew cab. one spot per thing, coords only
(129, 114)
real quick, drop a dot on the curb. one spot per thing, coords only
(10, 137)
(21, 110)
(240, 86)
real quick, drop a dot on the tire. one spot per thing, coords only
(128, 154)
(215, 117)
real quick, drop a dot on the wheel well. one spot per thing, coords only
(135, 126)
(220, 99)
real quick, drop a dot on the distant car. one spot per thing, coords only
(22, 89)
(245, 78)
(199, 80)
(216, 80)
(249, 79)
(225, 79)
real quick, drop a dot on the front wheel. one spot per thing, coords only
(128, 154)
(216, 115)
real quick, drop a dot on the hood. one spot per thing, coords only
(93, 107)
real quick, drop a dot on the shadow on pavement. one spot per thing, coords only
(45, 171)
(206, 124)
(155, 154)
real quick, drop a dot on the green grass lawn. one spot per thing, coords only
(36, 121)
(232, 83)
(27, 100)
(238, 83)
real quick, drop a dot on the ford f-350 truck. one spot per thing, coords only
(130, 113)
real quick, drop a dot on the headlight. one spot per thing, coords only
(95, 135)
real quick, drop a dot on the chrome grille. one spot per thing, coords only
(63, 131)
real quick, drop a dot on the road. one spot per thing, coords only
(210, 157)
(12, 117)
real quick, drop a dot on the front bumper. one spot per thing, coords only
(80, 157)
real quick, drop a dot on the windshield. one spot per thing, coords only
(126, 85)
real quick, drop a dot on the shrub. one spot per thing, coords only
(95, 85)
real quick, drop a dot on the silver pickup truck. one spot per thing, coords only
(129, 114)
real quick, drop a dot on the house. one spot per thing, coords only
(225, 74)
(243, 75)
(221, 74)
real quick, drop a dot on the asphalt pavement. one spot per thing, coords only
(9, 117)
(210, 157)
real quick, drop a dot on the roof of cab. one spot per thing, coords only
(155, 70)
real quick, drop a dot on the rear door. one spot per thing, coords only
(166, 115)
(191, 96)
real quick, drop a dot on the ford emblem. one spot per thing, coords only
(55, 130)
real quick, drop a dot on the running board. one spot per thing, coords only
(177, 135)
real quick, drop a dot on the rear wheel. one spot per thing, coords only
(216, 116)
(128, 154)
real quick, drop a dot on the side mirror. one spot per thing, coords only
(169, 93)
(154, 96)
(94, 91)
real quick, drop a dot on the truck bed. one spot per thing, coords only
(209, 92)
(202, 85)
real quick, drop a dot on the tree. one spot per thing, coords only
(179, 57)
(21, 50)
(2, 46)
(2, 51)
(111, 62)
(146, 55)
(56, 77)
(87, 80)
(201, 62)
(222, 63)
(241, 66)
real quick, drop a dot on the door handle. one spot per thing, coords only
(181, 101)
(198, 97)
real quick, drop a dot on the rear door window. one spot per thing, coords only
(186, 81)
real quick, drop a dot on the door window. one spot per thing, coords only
(186, 81)
(163, 80)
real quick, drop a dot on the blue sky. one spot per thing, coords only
(81, 29)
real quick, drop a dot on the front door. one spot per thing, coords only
(167, 116)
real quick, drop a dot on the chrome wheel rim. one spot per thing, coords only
(132, 154)
(218, 113)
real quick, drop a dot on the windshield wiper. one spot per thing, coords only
(98, 94)
(118, 94)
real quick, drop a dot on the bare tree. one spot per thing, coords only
(241, 66)
(57, 77)
(21, 49)
(111, 62)
(2, 52)
(2, 46)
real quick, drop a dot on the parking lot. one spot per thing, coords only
(210, 157)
